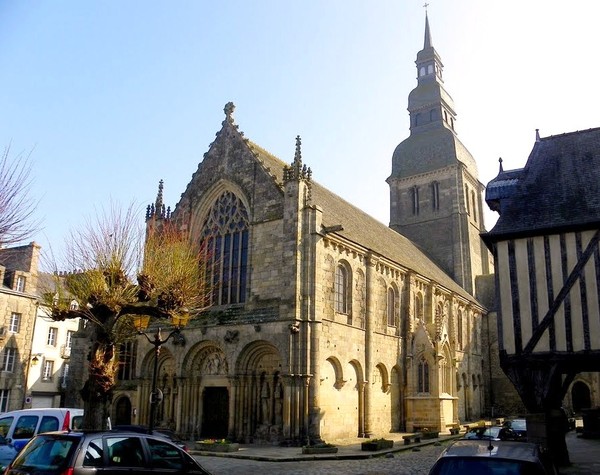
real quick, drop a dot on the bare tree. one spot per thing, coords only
(122, 276)
(16, 206)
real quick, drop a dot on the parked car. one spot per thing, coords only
(19, 426)
(102, 452)
(517, 425)
(491, 457)
(167, 433)
(492, 433)
(7, 453)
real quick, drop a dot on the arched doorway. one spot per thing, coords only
(580, 395)
(123, 411)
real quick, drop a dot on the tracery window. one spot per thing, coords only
(224, 242)
(342, 289)
(423, 377)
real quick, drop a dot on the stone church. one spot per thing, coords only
(324, 323)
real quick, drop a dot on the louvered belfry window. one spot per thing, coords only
(225, 246)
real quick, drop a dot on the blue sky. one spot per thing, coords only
(112, 96)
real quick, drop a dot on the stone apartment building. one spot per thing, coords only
(324, 323)
(18, 310)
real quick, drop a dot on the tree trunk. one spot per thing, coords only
(97, 391)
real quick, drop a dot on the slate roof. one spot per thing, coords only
(366, 231)
(558, 189)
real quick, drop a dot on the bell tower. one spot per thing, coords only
(435, 193)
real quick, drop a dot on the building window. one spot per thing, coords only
(52, 333)
(69, 342)
(459, 329)
(423, 377)
(392, 305)
(341, 290)
(435, 195)
(15, 322)
(20, 284)
(4, 398)
(225, 250)
(48, 370)
(8, 362)
(474, 207)
(127, 353)
(415, 200)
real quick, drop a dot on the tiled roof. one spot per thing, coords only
(558, 188)
(365, 230)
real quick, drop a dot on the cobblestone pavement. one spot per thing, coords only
(410, 462)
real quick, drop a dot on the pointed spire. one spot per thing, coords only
(297, 171)
(158, 205)
(537, 135)
(298, 153)
(501, 169)
(427, 43)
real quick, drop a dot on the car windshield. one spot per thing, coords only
(485, 466)
(483, 433)
(47, 453)
(518, 424)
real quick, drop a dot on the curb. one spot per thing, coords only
(359, 455)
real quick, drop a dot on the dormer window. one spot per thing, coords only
(20, 284)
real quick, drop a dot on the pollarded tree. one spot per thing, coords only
(121, 276)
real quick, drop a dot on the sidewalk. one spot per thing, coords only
(584, 453)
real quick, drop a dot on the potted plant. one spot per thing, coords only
(321, 448)
(217, 445)
(377, 444)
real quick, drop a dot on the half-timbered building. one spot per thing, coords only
(547, 260)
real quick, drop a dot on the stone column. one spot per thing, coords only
(371, 286)
(233, 416)
(287, 410)
(305, 403)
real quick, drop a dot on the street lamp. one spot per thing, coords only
(141, 323)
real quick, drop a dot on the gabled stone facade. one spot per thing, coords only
(326, 332)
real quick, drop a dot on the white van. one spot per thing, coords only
(17, 427)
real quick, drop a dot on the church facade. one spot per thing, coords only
(324, 323)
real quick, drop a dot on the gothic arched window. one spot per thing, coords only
(342, 289)
(224, 242)
(423, 377)
(392, 305)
